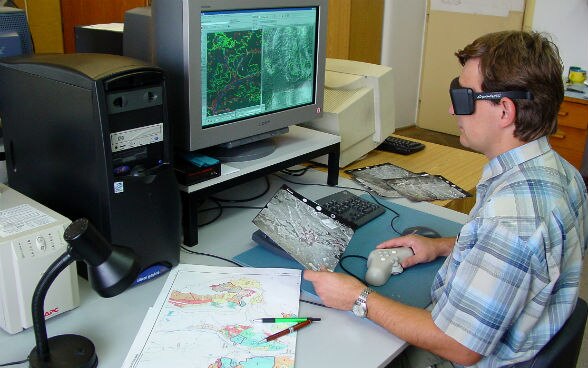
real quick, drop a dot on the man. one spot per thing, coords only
(510, 279)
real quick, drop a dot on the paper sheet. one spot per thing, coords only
(204, 316)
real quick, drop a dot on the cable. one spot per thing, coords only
(396, 214)
(314, 303)
(210, 255)
(349, 272)
(267, 188)
(298, 172)
(238, 265)
(14, 363)
(219, 207)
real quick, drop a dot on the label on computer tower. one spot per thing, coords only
(137, 137)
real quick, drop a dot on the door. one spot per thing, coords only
(451, 25)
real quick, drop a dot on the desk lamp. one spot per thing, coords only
(111, 270)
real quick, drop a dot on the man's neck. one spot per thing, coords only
(506, 143)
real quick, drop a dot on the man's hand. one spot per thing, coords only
(336, 290)
(425, 249)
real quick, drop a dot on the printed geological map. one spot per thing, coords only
(204, 317)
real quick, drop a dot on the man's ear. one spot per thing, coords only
(508, 112)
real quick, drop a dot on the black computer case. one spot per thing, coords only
(87, 135)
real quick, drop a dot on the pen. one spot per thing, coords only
(289, 330)
(290, 319)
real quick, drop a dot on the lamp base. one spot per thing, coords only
(67, 351)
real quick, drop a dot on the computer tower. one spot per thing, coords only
(87, 135)
(15, 35)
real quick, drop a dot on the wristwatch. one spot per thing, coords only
(360, 306)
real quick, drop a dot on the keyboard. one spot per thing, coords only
(401, 146)
(353, 209)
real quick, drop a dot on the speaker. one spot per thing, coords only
(15, 36)
(138, 34)
(87, 135)
(98, 40)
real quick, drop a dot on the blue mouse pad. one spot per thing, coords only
(412, 287)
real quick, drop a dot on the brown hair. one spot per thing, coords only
(522, 61)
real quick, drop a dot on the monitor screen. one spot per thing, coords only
(256, 61)
(239, 71)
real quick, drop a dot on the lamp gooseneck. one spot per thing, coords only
(38, 303)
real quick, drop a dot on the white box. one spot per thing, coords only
(31, 238)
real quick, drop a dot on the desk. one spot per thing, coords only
(463, 168)
(339, 340)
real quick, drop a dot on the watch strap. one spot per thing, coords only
(364, 294)
(361, 302)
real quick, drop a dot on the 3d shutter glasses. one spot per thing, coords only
(464, 99)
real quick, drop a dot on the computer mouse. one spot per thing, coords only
(421, 230)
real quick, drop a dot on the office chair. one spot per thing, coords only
(563, 349)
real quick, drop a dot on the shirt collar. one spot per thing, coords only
(514, 157)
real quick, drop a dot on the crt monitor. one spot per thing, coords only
(240, 71)
(358, 106)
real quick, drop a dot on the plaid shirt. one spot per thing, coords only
(512, 278)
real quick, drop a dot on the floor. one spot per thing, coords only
(453, 141)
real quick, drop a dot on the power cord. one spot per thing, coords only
(14, 363)
(267, 188)
(298, 172)
(219, 206)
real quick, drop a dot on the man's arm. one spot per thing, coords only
(416, 326)
(413, 325)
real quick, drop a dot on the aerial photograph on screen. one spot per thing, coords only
(254, 71)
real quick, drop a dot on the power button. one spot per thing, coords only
(41, 243)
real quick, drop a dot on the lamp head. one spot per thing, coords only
(111, 269)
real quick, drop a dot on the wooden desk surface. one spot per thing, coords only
(461, 167)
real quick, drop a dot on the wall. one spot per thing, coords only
(402, 49)
(402, 42)
(567, 22)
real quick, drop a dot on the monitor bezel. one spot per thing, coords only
(192, 136)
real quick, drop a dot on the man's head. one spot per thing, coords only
(521, 62)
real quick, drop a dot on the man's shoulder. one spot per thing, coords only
(536, 185)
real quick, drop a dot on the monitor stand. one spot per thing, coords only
(246, 149)
(298, 146)
(246, 152)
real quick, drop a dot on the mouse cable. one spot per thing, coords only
(349, 272)
(394, 218)
(14, 363)
(239, 265)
